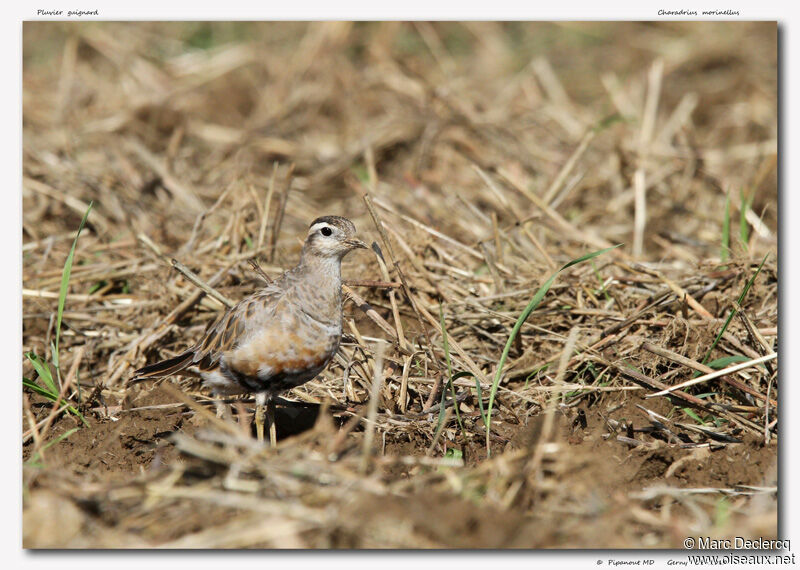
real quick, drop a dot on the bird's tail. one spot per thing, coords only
(163, 368)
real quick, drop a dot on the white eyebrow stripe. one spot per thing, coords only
(320, 225)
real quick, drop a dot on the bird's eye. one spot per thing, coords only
(326, 231)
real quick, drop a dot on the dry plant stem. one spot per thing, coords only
(456, 347)
(680, 359)
(76, 362)
(75, 204)
(566, 355)
(537, 244)
(423, 227)
(744, 349)
(109, 410)
(361, 344)
(715, 374)
(678, 119)
(593, 344)
(651, 106)
(393, 301)
(34, 427)
(489, 259)
(372, 314)
(183, 191)
(67, 76)
(49, 242)
(349, 394)
(262, 231)
(219, 423)
(372, 408)
(640, 212)
(402, 396)
(761, 344)
(259, 271)
(415, 260)
(448, 415)
(767, 434)
(178, 312)
(195, 279)
(678, 290)
(655, 384)
(190, 301)
(276, 227)
(339, 441)
(407, 290)
(555, 216)
(534, 466)
(26, 435)
(190, 243)
(498, 245)
(373, 284)
(496, 191)
(565, 171)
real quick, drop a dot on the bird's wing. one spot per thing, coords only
(220, 337)
(232, 326)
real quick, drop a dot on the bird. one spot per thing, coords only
(281, 336)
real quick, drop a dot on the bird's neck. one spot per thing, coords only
(318, 286)
(324, 268)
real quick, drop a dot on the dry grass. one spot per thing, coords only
(480, 157)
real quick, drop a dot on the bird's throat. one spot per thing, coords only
(319, 287)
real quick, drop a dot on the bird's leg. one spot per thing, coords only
(273, 433)
(222, 409)
(261, 399)
(219, 407)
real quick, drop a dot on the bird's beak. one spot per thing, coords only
(356, 243)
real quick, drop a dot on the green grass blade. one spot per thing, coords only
(542, 368)
(609, 121)
(691, 413)
(34, 459)
(722, 513)
(724, 252)
(75, 412)
(468, 374)
(28, 383)
(744, 233)
(600, 282)
(726, 361)
(739, 301)
(54, 354)
(50, 391)
(749, 284)
(534, 302)
(480, 402)
(446, 347)
(52, 396)
(440, 419)
(62, 295)
(43, 370)
(455, 407)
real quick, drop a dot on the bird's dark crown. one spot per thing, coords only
(337, 221)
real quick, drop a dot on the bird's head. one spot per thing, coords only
(331, 237)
